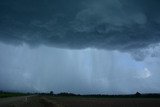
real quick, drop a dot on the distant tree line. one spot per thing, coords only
(51, 93)
(136, 95)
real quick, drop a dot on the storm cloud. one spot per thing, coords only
(82, 46)
(123, 25)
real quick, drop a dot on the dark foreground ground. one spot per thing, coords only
(49, 101)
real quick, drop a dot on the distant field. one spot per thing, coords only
(4, 95)
(104, 102)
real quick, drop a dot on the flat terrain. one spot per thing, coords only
(49, 101)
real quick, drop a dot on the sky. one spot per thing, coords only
(80, 46)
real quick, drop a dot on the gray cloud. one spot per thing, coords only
(123, 25)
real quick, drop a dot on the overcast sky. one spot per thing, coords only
(80, 46)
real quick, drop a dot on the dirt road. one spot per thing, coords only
(26, 101)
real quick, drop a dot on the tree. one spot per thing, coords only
(138, 94)
(51, 93)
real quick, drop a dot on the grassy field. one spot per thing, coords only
(8, 94)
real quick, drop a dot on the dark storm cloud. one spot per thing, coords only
(108, 24)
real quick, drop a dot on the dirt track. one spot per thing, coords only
(48, 101)
(26, 101)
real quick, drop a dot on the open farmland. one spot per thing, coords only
(49, 101)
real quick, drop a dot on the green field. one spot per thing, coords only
(8, 94)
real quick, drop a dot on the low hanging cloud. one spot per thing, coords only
(129, 26)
